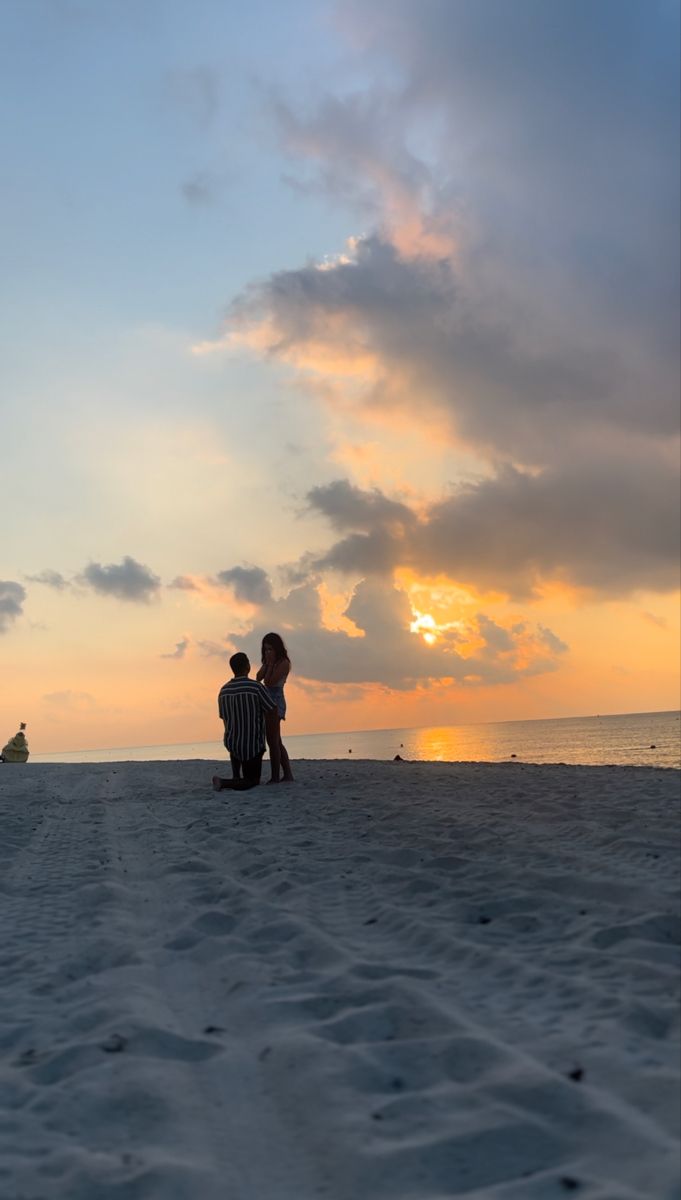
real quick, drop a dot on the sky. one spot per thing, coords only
(354, 321)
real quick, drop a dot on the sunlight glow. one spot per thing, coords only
(424, 624)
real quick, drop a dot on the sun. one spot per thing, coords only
(424, 624)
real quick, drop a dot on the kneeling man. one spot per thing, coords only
(244, 706)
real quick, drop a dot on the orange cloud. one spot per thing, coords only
(333, 606)
(333, 346)
(445, 597)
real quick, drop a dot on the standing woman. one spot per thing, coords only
(274, 673)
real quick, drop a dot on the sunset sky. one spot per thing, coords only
(353, 320)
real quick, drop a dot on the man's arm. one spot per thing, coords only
(267, 704)
(223, 716)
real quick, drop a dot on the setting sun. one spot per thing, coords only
(424, 624)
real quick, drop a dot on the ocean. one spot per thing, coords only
(635, 739)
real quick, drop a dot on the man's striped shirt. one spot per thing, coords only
(242, 704)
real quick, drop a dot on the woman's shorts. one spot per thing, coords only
(277, 694)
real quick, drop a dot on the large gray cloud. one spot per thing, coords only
(560, 126)
(12, 596)
(521, 281)
(127, 580)
(514, 530)
(532, 396)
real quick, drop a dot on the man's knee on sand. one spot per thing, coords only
(252, 770)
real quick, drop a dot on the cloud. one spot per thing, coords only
(12, 596)
(203, 188)
(249, 584)
(349, 507)
(557, 127)
(180, 650)
(609, 527)
(553, 643)
(517, 290)
(385, 651)
(127, 580)
(51, 579)
(653, 619)
(357, 144)
(210, 649)
(423, 338)
(184, 583)
(70, 701)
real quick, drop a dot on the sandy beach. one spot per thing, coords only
(394, 980)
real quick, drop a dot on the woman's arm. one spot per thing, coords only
(276, 673)
(262, 671)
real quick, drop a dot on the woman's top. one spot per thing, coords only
(276, 690)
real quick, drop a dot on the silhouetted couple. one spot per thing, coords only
(252, 711)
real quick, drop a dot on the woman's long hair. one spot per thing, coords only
(277, 645)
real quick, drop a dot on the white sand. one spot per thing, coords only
(388, 980)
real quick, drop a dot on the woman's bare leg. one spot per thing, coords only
(285, 762)
(274, 746)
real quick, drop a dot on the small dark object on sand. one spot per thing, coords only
(514, 756)
(349, 751)
(653, 747)
(577, 1074)
(398, 758)
(114, 1044)
(569, 1183)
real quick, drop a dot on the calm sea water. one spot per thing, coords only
(651, 739)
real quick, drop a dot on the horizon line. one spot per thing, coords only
(380, 729)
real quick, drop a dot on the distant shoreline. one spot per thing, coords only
(532, 740)
(396, 729)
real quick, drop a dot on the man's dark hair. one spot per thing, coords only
(239, 663)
